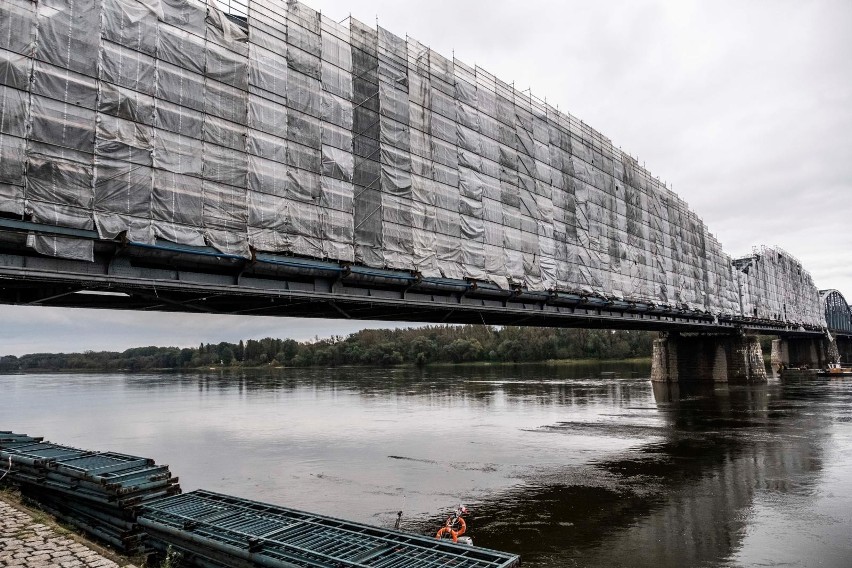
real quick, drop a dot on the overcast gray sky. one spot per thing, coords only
(744, 108)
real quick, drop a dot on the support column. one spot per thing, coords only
(746, 362)
(780, 356)
(844, 348)
(832, 353)
(804, 352)
(664, 367)
(714, 358)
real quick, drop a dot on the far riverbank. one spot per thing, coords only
(384, 347)
(403, 366)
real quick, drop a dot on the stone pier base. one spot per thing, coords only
(804, 352)
(716, 358)
(844, 349)
(778, 355)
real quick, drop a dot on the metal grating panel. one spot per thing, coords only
(218, 526)
(98, 492)
(39, 453)
(100, 464)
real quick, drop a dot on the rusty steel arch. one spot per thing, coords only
(838, 314)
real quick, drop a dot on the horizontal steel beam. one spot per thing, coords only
(122, 284)
(180, 278)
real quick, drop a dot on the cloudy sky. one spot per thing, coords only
(744, 108)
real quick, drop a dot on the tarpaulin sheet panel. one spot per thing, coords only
(14, 103)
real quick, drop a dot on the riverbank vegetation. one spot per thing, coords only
(413, 346)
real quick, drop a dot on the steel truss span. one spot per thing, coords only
(838, 314)
(252, 129)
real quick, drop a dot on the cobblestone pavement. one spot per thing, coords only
(26, 542)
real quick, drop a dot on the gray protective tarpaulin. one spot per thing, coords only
(277, 128)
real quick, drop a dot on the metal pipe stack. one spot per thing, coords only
(100, 493)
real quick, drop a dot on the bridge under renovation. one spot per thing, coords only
(255, 157)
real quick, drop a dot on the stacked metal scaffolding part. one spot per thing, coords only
(221, 531)
(135, 505)
(274, 128)
(98, 492)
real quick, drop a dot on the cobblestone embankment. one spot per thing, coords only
(25, 541)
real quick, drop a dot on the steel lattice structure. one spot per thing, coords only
(838, 314)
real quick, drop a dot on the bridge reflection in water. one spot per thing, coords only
(688, 499)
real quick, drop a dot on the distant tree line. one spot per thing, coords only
(415, 346)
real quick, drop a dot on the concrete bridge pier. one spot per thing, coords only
(708, 357)
(844, 348)
(810, 352)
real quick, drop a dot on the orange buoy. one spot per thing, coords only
(448, 529)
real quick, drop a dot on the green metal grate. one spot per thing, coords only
(226, 529)
(98, 492)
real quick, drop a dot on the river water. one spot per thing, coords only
(587, 465)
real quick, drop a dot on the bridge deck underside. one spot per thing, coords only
(131, 279)
(293, 299)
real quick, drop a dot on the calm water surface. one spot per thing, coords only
(567, 466)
